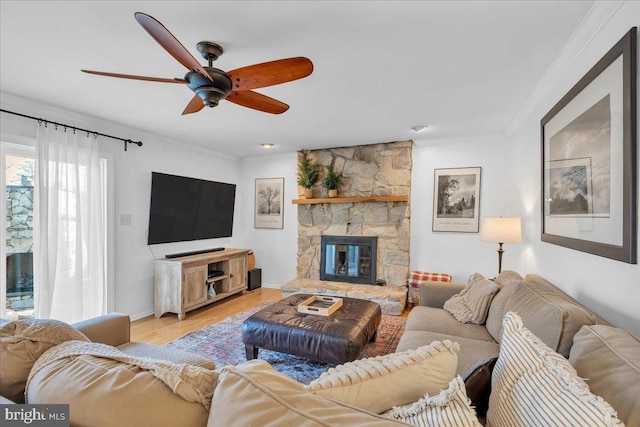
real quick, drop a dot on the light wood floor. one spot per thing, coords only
(168, 328)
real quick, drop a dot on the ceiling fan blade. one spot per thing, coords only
(129, 76)
(167, 40)
(194, 105)
(270, 73)
(257, 101)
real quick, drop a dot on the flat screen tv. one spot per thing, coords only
(189, 209)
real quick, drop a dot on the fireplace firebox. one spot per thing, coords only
(348, 259)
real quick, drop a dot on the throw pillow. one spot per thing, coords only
(404, 377)
(449, 408)
(471, 305)
(533, 385)
(416, 278)
(255, 394)
(22, 342)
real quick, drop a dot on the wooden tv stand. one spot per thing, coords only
(181, 283)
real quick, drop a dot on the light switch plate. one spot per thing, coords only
(125, 219)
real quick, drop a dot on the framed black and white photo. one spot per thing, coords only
(269, 200)
(588, 160)
(456, 200)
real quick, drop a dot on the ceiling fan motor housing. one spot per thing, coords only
(211, 84)
(211, 92)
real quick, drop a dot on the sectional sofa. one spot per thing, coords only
(106, 387)
(558, 320)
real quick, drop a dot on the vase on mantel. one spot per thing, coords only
(308, 193)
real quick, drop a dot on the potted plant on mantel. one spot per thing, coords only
(308, 173)
(331, 182)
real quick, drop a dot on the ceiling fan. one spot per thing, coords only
(211, 85)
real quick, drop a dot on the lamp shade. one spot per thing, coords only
(501, 230)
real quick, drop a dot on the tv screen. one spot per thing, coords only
(189, 209)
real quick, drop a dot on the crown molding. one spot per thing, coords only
(590, 26)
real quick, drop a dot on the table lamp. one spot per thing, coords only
(501, 230)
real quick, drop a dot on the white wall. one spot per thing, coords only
(610, 288)
(275, 249)
(134, 292)
(458, 254)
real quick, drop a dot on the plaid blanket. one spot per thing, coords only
(417, 277)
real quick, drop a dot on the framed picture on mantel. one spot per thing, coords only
(456, 200)
(589, 173)
(269, 200)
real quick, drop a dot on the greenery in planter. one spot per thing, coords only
(308, 171)
(331, 181)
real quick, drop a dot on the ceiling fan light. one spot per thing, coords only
(210, 95)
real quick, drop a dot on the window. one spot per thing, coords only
(17, 235)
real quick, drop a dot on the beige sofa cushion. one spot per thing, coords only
(439, 320)
(450, 408)
(102, 391)
(534, 386)
(404, 377)
(539, 281)
(608, 359)
(255, 394)
(472, 304)
(471, 351)
(507, 280)
(551, 316)
(21, 343)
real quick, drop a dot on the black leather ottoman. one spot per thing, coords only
(338, 338)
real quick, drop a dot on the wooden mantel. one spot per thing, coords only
(370, 199)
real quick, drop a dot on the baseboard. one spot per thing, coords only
(141, 315)
(270, 286)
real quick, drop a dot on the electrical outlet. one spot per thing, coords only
(125, 219)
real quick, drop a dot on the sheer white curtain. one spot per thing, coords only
(69, 246)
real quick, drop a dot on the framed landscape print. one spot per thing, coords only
(269, 200)
(589, 173)
(456, 200)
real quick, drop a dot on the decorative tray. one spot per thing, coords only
(320, 305)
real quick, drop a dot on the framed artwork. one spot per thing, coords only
(456, 200)
(269, 199)
(589, 156)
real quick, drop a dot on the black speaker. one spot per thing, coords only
(254, 279)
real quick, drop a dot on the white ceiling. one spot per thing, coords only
(463, 68)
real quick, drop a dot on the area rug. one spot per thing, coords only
(222, 343)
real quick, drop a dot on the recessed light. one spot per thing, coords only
(267, 145)
(419, 128)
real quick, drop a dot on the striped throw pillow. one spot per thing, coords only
(449, 408)
(472, 304)
(533, 385)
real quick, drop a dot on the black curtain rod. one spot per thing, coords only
(126, 141)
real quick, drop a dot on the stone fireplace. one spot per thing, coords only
(367, 171)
